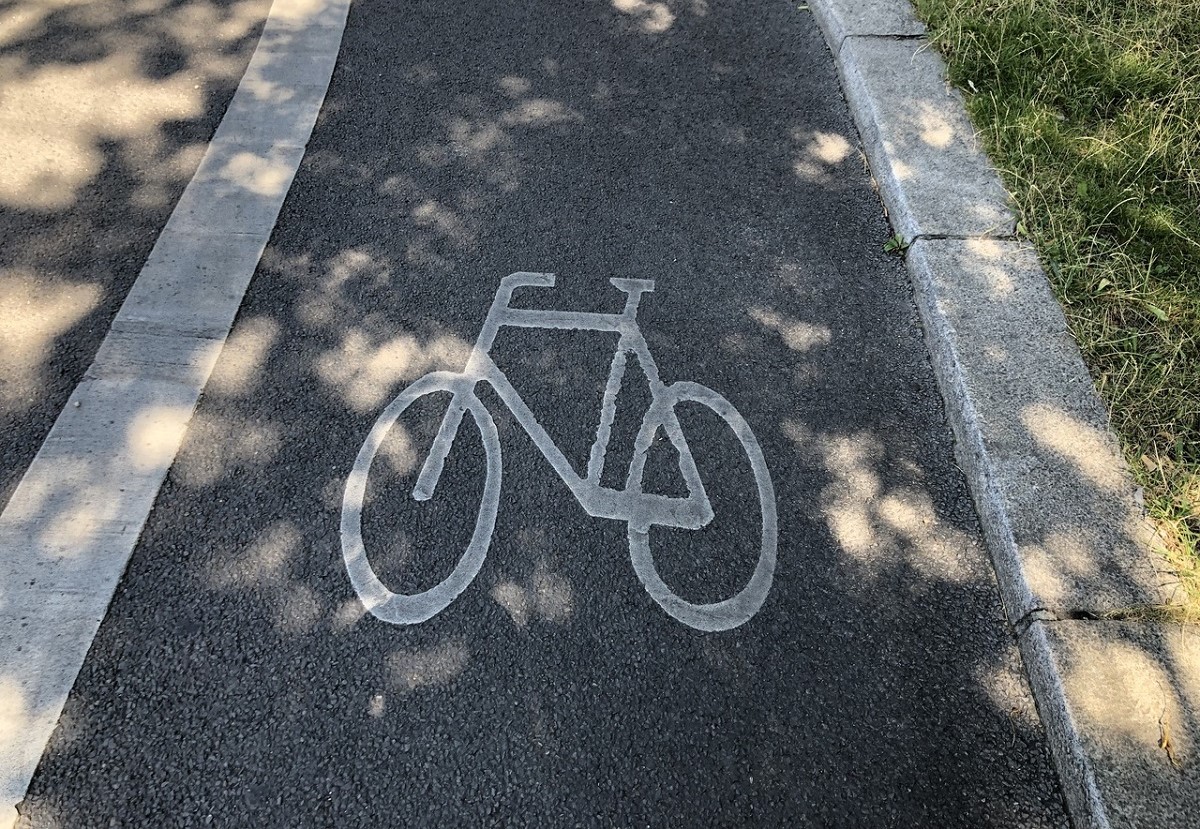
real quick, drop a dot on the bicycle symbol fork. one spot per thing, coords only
(640, 510)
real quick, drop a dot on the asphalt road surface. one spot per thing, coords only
(237, 679)
(103, 106)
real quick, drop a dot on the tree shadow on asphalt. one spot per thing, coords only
(684, 142)
(107, 108)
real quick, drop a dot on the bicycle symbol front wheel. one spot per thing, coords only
(736, 610)
(411, 609)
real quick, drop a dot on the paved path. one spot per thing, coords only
(237, 680)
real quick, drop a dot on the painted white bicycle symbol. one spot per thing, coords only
(639, 509)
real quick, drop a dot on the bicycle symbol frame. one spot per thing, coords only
(640, 510)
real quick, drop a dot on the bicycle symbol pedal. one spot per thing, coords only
(639, 509)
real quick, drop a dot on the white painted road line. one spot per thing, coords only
(72, 523)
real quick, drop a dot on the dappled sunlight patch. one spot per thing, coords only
(851, 526)
(992, 249)
(401, 186)
(21, 20)
(323, 302)
(737, 344)
(438, 666)
(552, 594)
(1000, 283)
(652, 18)
(467, 138)
(422, 74)
(348, 615)
(267, 92)
(208, 29)
(258, 175)
(263, 563)
(399, 451)
(872, 523)
(1126, 693)
(933, 127)
(545, 594)
(443, 220)
(936, 549)
(797, 335)
(155, 435)
(1060, 562)
(514, 85)
(58, 115)
(540, 112)
(69, 527)
(366, 375)
(68, 515)
(157, 188)
(803, 438)
(829, 147)
(1088, 448)
(900, 169)
(70, 530)
(515, 599)
(990, 267)
(995, 353)
(35, 313)
(482, 137)
(299, 610)
(822, 152)
(264, 568)
(300, 12)
(14, 711)
(243, 357)
(1004, 684)
(423, 252)
(846, 502)
(433, 154)
(242, 443)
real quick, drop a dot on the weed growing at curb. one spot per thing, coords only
(896, 244)
(1091, 110)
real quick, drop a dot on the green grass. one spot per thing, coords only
(1091, 110)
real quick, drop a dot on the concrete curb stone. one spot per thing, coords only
(889, 18)
(1066, 531)
(1131, 690)
(1059, 512)
(933, 176)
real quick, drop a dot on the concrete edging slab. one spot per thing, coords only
(1069, 542)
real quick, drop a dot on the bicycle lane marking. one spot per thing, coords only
(73, 521)
(629, 505)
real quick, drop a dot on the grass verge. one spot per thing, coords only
(1091, 111)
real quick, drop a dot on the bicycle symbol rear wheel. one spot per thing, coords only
(411, 609)
(734, 611)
